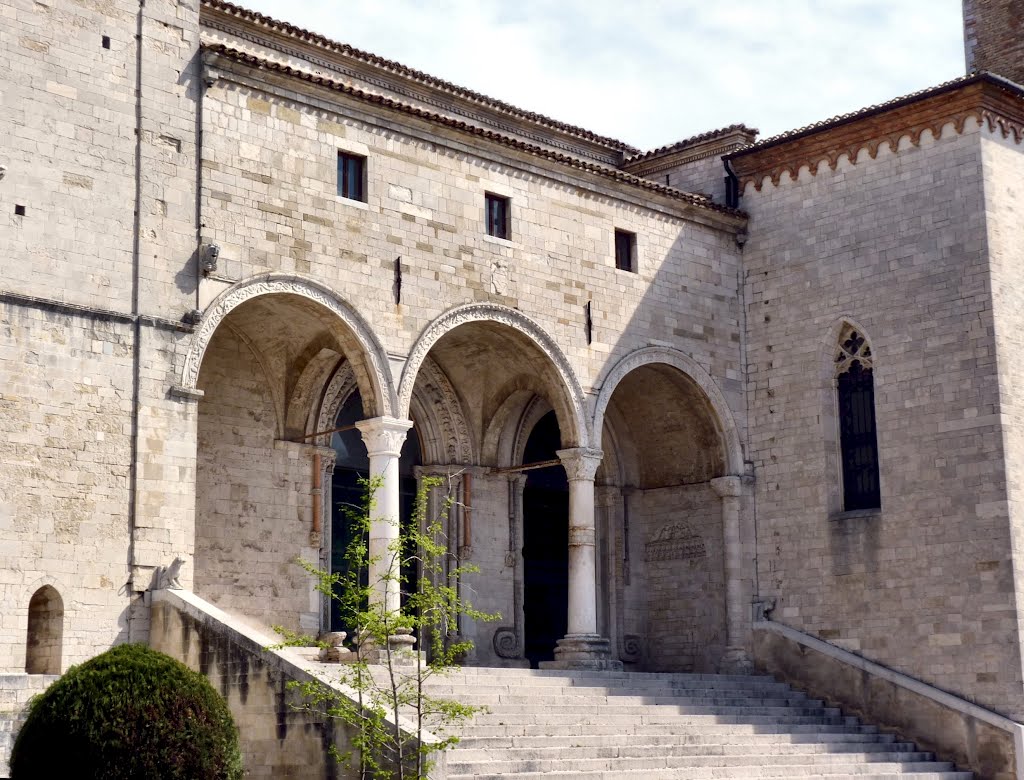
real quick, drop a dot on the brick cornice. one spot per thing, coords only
(989, 100)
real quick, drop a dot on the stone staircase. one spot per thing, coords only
(604, 725)
(15, 691)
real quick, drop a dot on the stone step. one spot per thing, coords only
(892, 751)
(702, 774)
(655, 715)
(575, 728)
(486, 698)
(600, 708)
(723, 766)
(767, 743)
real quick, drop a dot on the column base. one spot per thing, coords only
(584, 651)
(736, 661)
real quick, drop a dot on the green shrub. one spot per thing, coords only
(128, 713)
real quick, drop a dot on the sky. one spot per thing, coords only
(650, 72)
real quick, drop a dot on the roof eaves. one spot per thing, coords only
(416, 75)
(863, 113)
(700, 138)
(464, 127)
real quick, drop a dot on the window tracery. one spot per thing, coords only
(858, 441)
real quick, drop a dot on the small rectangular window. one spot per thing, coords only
(625, 250)
(352, 176)
(497, 215)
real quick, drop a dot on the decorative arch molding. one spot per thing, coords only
(339, 388)
(377, 377)
(695, 372)
(503, 315)
(437, 409)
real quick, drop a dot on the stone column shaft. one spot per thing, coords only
(582, 647)
(736, 610)
(383, 437)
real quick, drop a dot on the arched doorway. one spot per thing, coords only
(545, 544)
(664, 510)
(45, 638)
(351, 466)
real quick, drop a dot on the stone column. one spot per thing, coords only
(735, 660)
(582, 647)
(383, 437)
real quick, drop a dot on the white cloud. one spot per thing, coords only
(653, 71)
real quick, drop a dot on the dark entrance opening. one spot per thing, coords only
(351, 465)
(545, 544)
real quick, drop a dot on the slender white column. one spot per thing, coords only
(383, 437)
(580, 467)
(582, 647)
(736, 609)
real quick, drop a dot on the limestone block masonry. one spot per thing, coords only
(207, 339)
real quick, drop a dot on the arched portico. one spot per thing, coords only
(551, 363)
(265, 352)
(358, 342)
(671, 514)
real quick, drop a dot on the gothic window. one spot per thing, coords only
(858, 444)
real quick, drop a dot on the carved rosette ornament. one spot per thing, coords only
(632, 648)
(581, 463)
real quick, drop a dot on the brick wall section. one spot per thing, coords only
(898, 244)
(993, 37)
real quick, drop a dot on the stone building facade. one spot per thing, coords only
(225, 237)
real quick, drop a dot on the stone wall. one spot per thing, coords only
(66, 384)
(253, 491)
(896, 245)
(683, 579)
(278, 737)
(273, 206)
(1003, 167)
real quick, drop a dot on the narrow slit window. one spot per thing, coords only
(497, 215)
(858, 440)
(352, 176)
(625, 251)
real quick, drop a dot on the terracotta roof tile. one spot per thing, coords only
(710, 134)
(825, 124)
(424, 78)
(464, 127)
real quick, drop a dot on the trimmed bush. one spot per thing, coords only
(127, 714)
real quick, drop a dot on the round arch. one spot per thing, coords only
(373, 374)
(517, 321)
(694, 371)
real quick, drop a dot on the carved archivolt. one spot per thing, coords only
(693, 370)
(503, 315)
(439, 416)
(342, 383)
(372, 354)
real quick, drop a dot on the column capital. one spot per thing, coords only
(728, 487)
(580, 463)
(384, 435)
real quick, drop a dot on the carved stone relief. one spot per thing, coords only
(675, 542)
